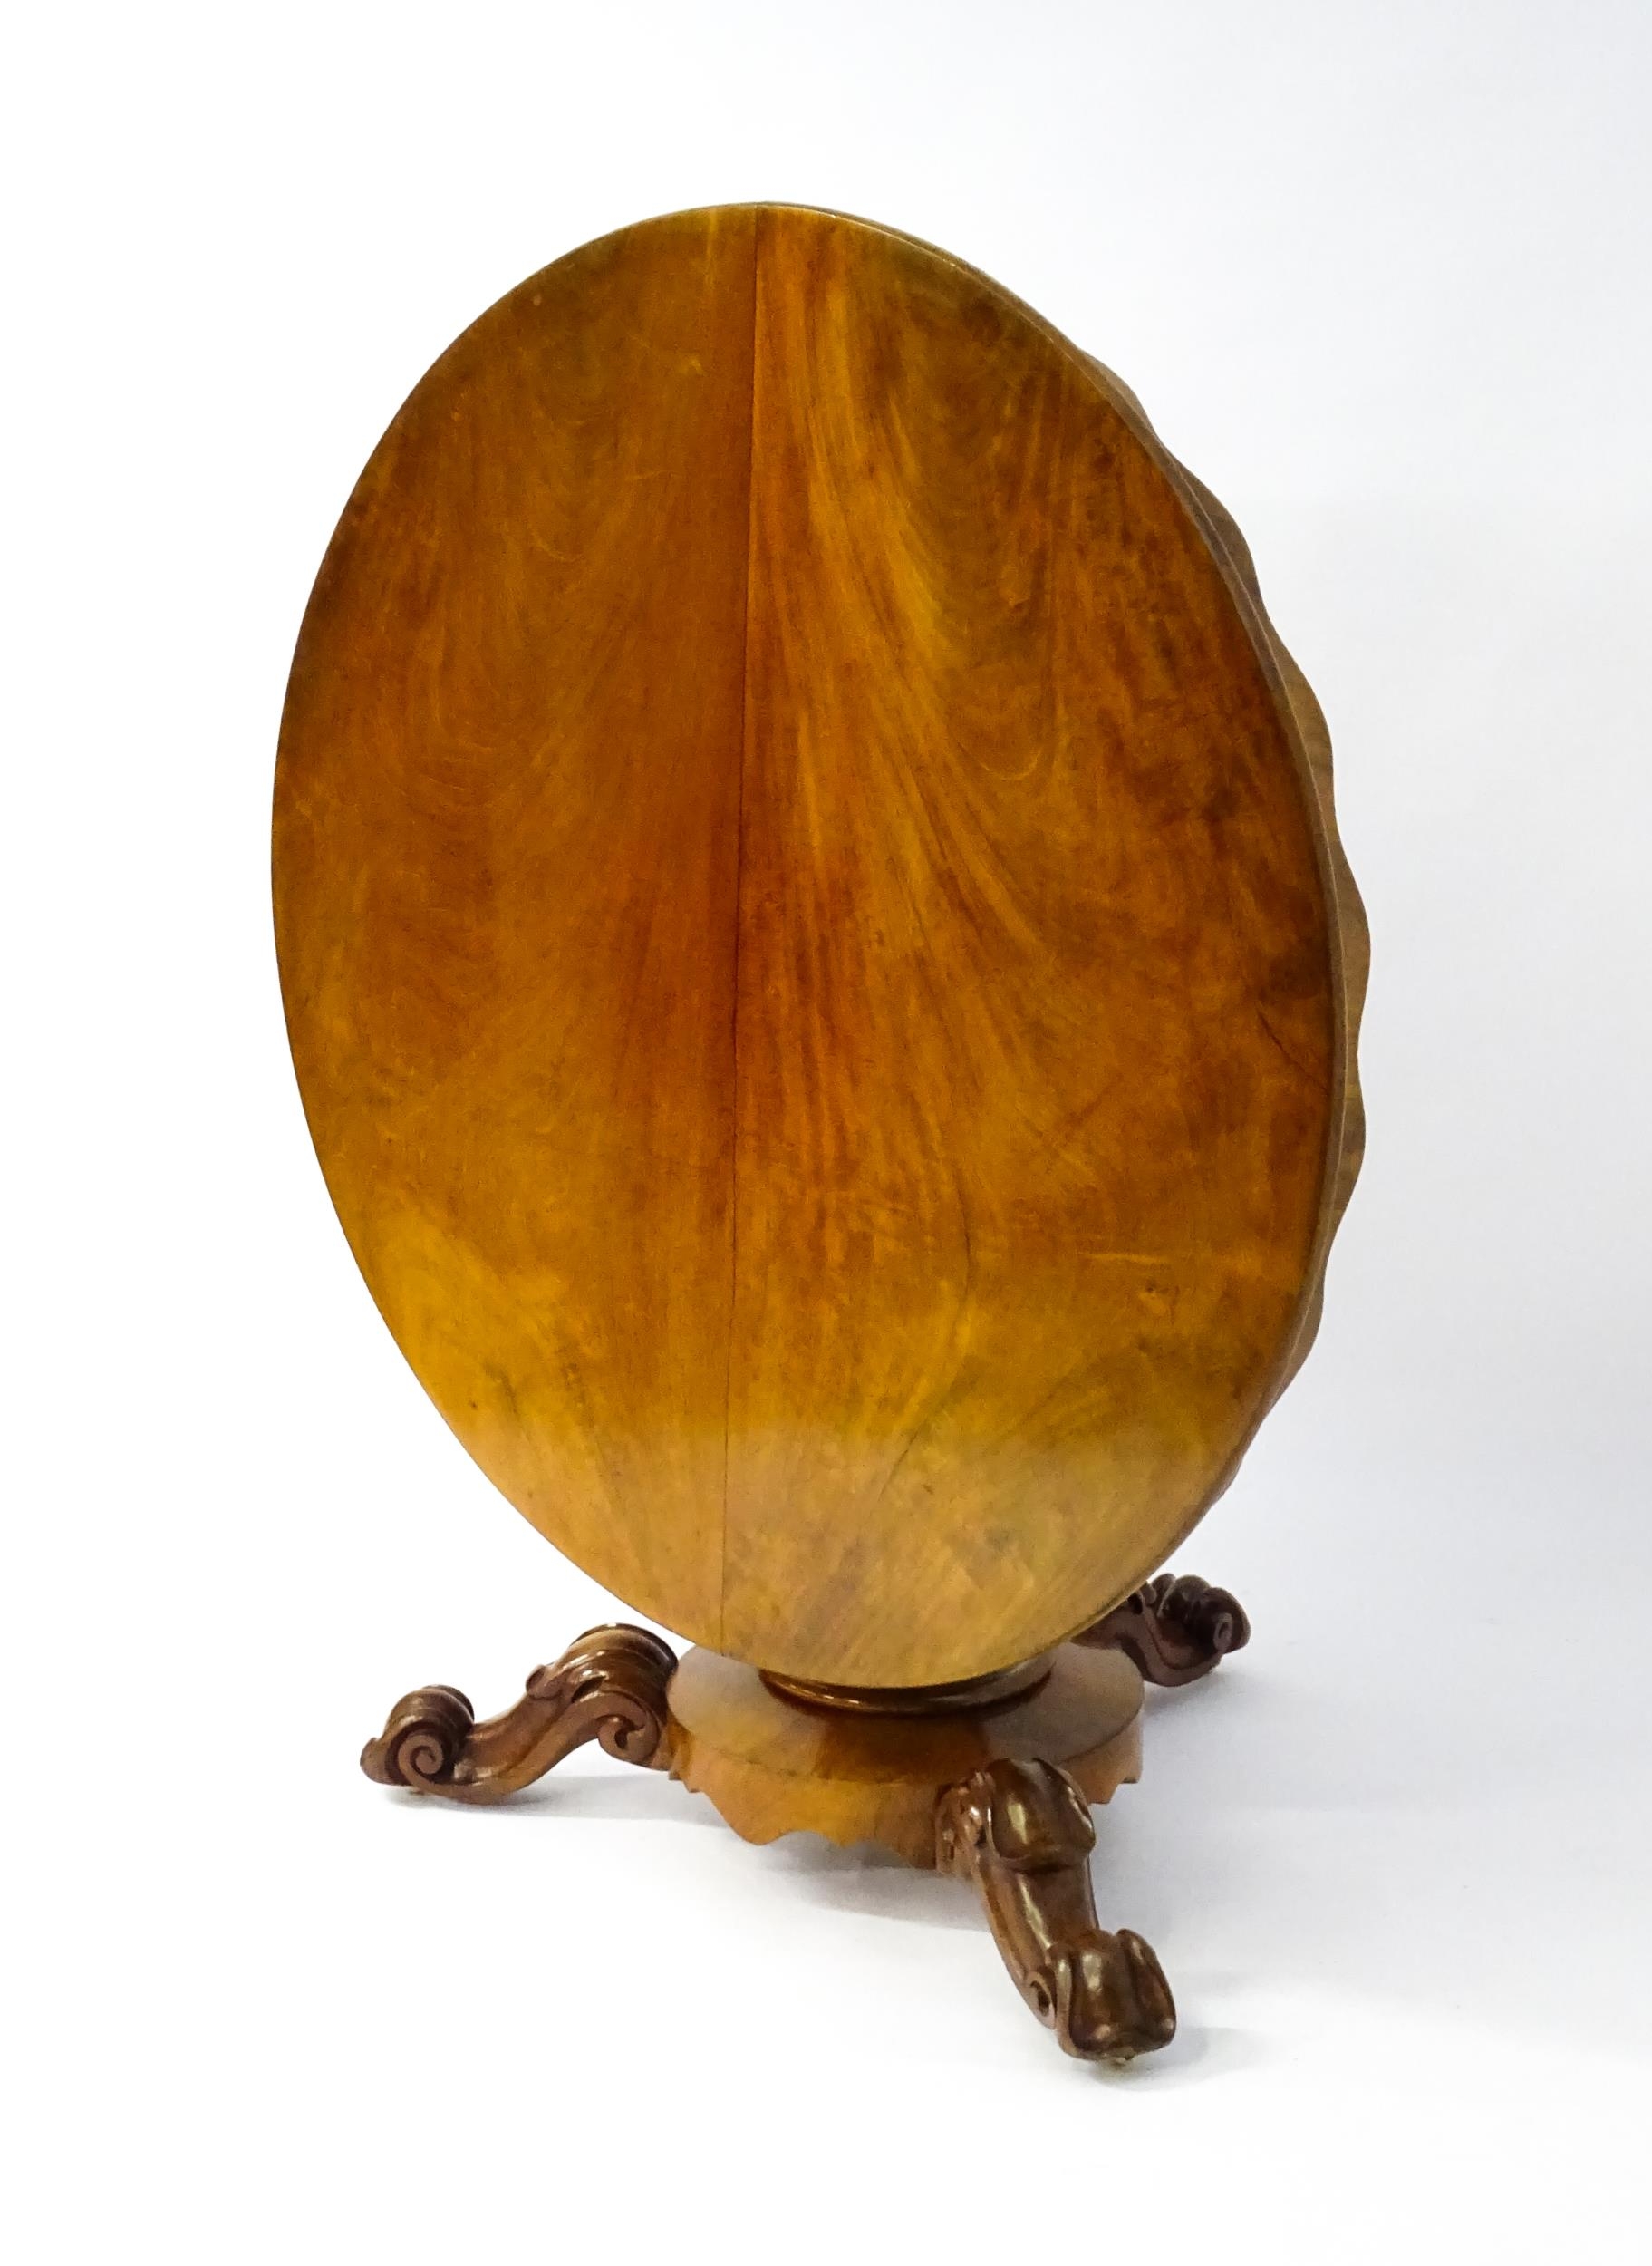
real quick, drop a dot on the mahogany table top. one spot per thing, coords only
(815, 944)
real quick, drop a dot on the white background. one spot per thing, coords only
(1380, 274)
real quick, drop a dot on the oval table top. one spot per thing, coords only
(815, 945)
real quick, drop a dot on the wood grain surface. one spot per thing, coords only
(771, 1767)
(816, 954)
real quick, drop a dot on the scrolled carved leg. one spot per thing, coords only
(1022, 1833)
(609, 1685)
(1175, 1628)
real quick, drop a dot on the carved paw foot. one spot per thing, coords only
(609, 1685)
(1022, 1833)
(1107, 1999)
(1175, 1628)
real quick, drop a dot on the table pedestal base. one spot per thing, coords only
(991, 1782)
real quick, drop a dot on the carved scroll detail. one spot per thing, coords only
(1022, 1833)
(609, 1685)
(1175, 1628)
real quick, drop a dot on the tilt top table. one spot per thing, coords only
(824, 989)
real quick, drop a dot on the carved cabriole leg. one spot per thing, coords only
(609, 1685)
(1023, 1833)
(1175, 1628)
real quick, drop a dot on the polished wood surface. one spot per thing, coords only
(506, 843)
(815, 945)
(774, 1765)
